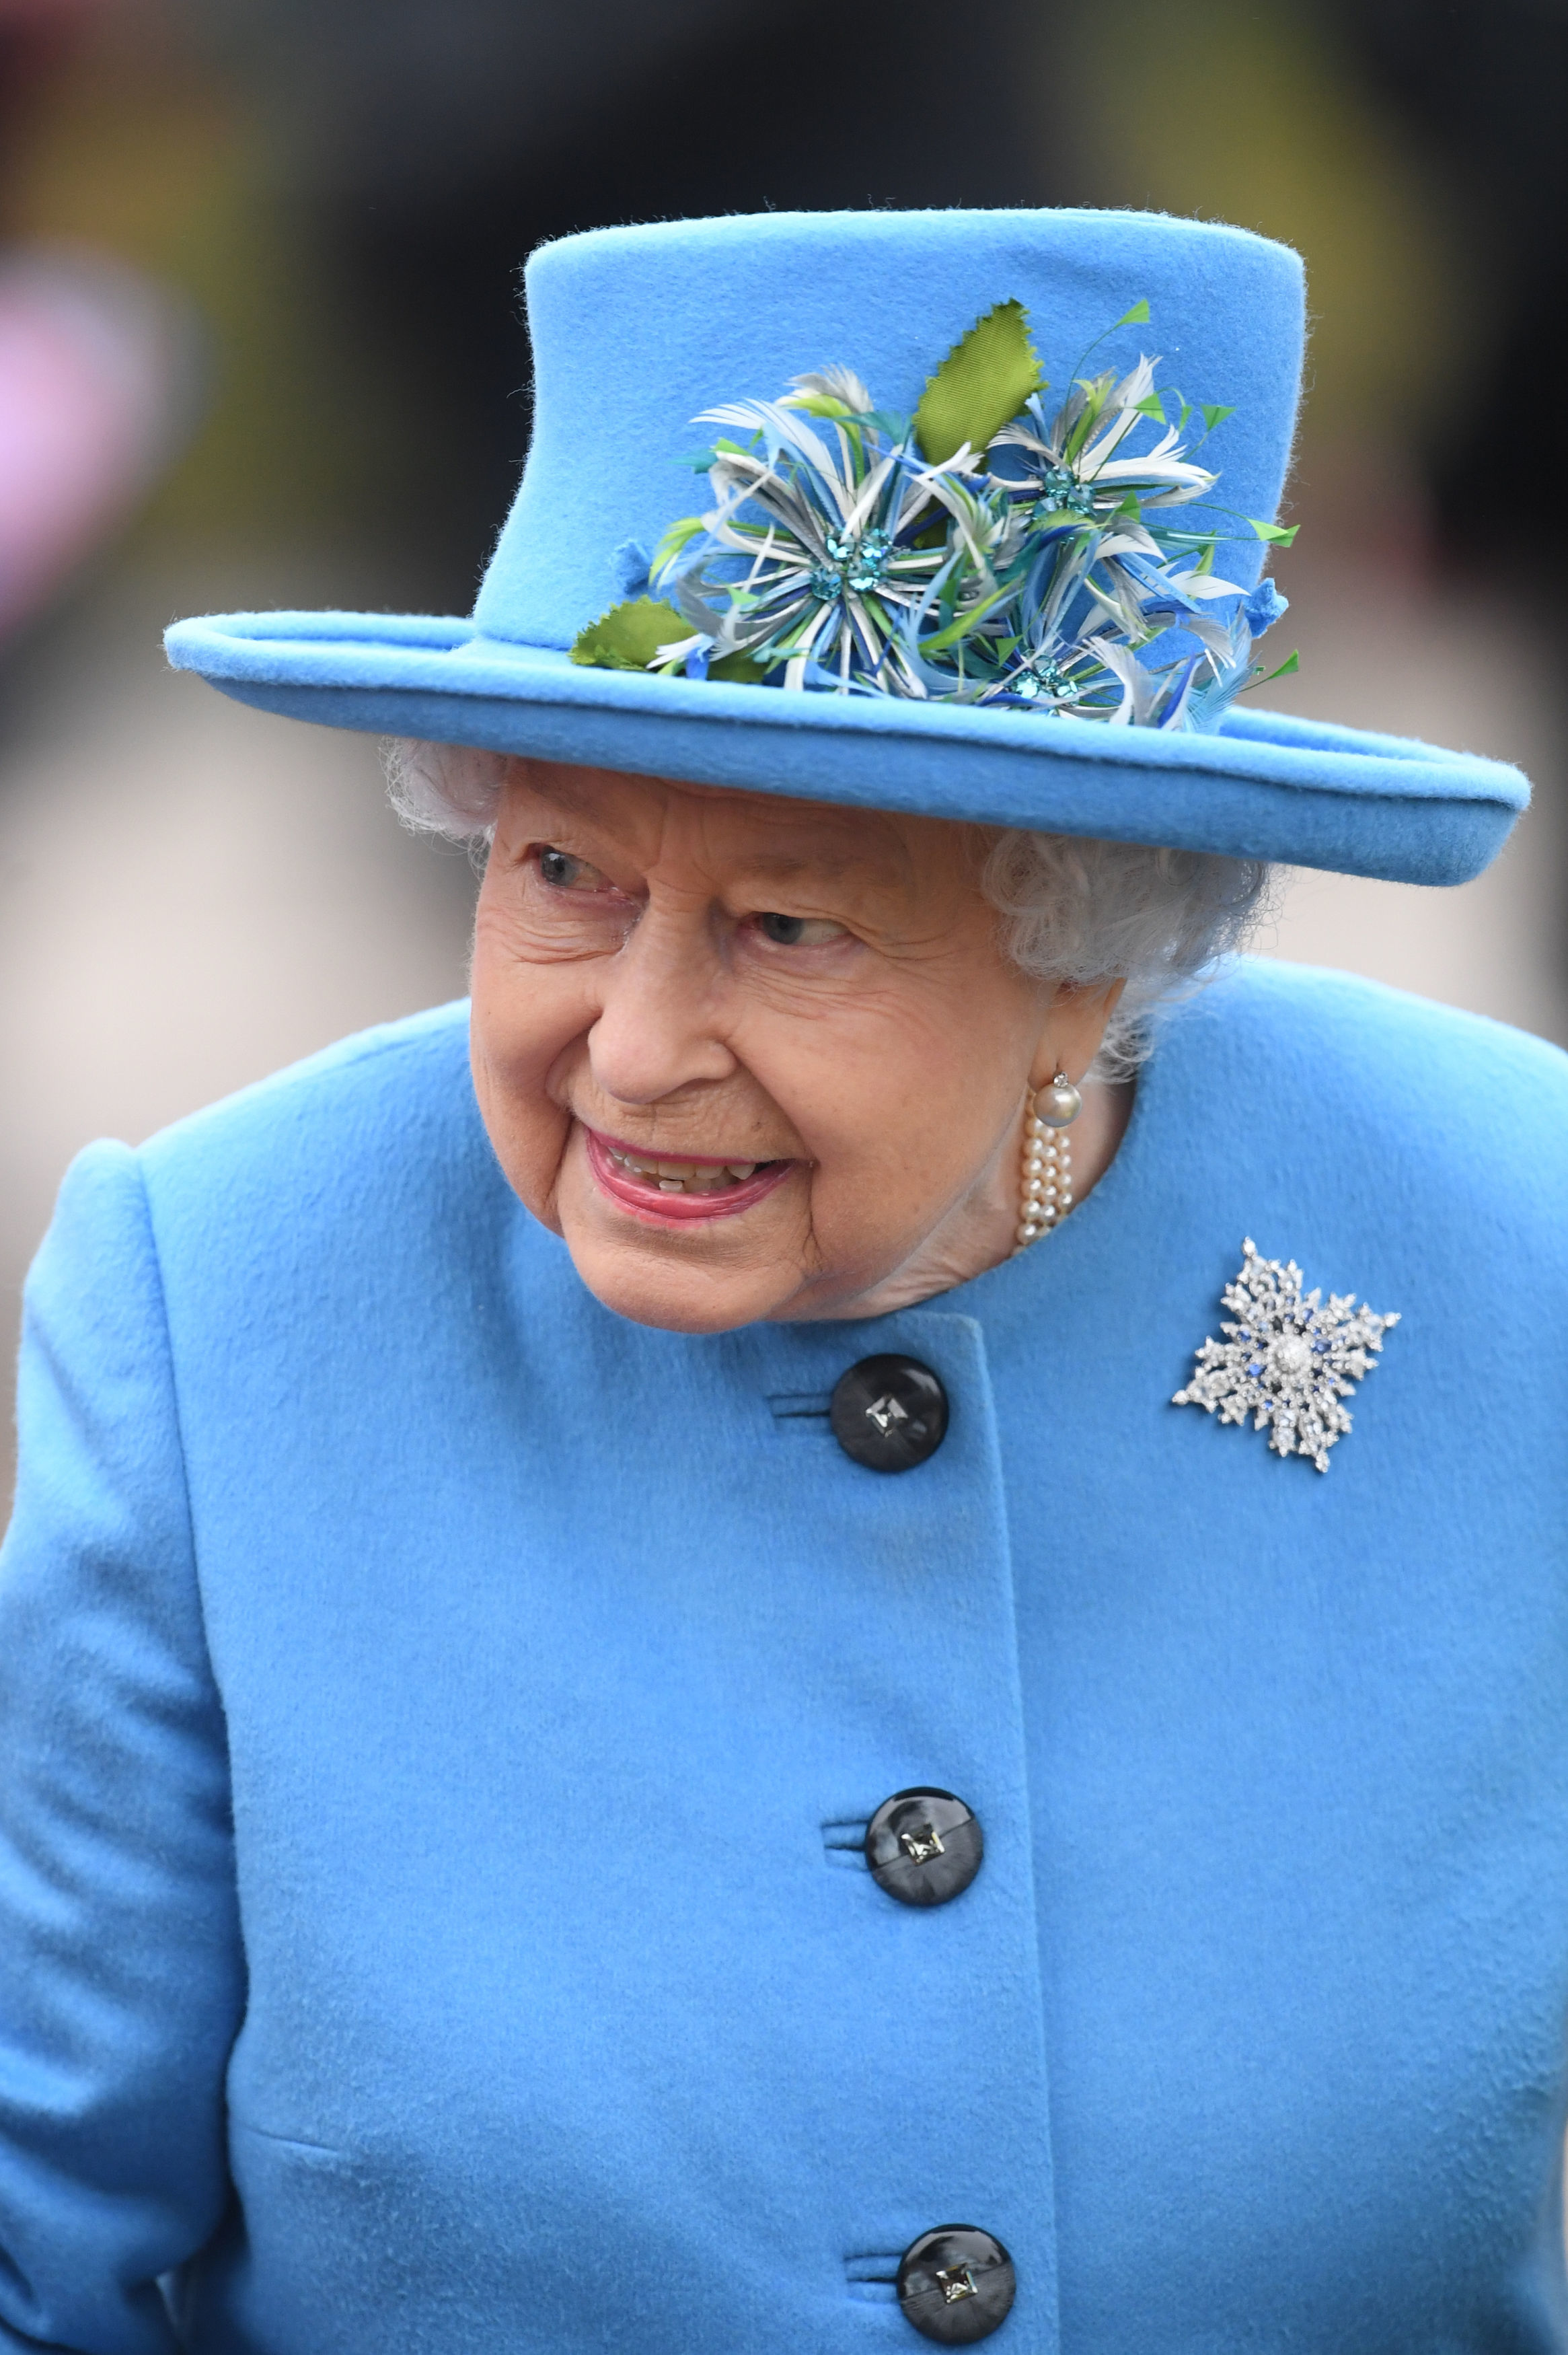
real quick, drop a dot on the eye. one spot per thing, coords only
(797, 931)
(565, 873)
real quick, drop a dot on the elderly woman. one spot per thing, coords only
(700, 1694)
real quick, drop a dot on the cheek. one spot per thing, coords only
(525, 1019)
(899, 1099)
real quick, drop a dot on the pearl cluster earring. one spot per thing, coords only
(1046, 1193)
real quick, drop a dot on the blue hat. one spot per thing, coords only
(1036, 609)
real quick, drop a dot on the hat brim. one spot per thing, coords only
(1269, 786)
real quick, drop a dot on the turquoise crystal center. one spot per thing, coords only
(854, 563)
(1059, 489)
(1042, 678)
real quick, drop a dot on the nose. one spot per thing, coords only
(660, 1024)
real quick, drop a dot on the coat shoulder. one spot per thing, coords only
(377, 1137)
(1347, 1042)
(338, 1105)
(1420, 1099)
(394, 1066)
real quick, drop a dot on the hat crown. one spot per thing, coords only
(636, 331)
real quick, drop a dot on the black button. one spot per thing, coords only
(955, 2283)
(890, 1413)
(923, 1847)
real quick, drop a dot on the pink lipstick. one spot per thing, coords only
(674, 1190)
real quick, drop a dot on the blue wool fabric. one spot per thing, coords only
(636, 331)
(436, 1716)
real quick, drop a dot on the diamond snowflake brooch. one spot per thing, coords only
(1287, 1360)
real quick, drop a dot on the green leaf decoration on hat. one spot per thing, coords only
(980, 386)
(738, 671)
(629, 636)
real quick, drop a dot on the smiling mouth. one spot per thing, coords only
(679, 1187)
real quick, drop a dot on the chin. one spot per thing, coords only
(646, 1290)
(710, 1277)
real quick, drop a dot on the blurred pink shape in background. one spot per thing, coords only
(98, 365)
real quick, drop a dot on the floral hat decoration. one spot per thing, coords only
(1021, 584)
(982, 551)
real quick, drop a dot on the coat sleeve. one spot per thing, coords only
(121, 1971)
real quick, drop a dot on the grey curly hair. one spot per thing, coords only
(1071, 909)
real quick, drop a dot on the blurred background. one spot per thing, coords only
(260, 343)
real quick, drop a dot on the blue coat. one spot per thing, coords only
(437, 1715)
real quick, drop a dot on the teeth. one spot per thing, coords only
(684, 1176)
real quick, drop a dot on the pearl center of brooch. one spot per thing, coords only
(1291, 1354)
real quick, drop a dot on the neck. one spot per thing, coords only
(980, 1232)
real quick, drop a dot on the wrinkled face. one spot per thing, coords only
(750, 1057)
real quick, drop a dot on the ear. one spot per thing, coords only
(1074, 1024)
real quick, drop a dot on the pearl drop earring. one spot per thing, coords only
(1047, 1194)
